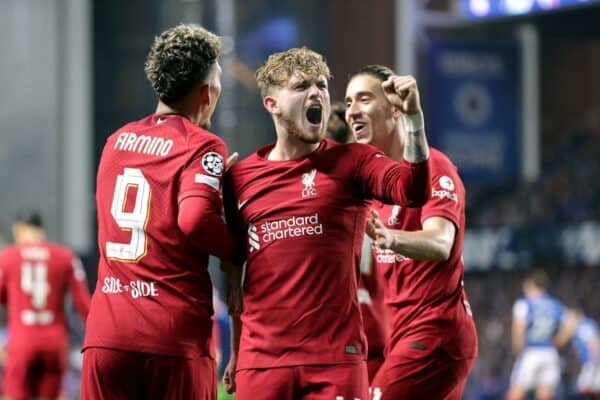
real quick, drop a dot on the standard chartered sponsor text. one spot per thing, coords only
(295, 226)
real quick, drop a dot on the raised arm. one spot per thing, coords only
(403, 93)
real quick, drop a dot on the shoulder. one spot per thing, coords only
(359, 148)
(61, 250)
(253, 161)
(441, 161)
(9, 251)
(203, 139)
(520, 308)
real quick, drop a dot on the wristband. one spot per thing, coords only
(413, 123)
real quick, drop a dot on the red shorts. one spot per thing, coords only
(314, 382)
(34, 371)
(115, 374)
(420, 370)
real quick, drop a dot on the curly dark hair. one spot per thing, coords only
(179, 59)
(279, 67)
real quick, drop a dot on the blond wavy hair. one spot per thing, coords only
(179, 59)
(280, 67)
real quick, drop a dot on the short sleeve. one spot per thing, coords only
(447, 196)
(203, 174)
(587, 332)
(520, 310)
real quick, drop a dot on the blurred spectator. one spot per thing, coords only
(566, 193)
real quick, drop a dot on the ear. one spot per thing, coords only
(204, 94)
(272, 105)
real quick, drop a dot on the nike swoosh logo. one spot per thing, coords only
(242, 204)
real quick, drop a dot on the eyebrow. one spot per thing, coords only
(360, 94)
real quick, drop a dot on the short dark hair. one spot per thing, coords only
(179, 59)
(337, 127)
(377, 71)
(30, 217)
(539, 277)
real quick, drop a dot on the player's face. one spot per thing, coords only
(368, 111)
(304, 107)
(214, 86)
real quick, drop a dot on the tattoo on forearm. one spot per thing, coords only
(416, 149)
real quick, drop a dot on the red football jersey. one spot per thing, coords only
(34, 280)
(427, 298)
(371, 300)
(154, 293)
(302, 222)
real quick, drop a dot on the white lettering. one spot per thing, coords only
(458, 63)
(143, 289)
(121, 140)
(444, 194)
(112, 285)
(388, 257)
(135, 288)
(35, 253)
(154, 146)
(130, 142)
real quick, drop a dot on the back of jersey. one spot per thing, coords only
(153, 292)
(35, 280)
(544, 316)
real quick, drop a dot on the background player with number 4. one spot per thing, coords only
(159, 217)
(35, 276)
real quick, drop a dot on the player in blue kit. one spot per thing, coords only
(538, 319)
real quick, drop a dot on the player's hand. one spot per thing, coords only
(402, 92)
(229, 376)
(381, 235)
(231, 160)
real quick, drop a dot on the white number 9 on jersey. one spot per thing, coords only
(134, 220)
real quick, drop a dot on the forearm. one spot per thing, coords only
(204, 227)
(416, 149)
(408, 184)
(236, 331)
(517, 342)
(420, 245)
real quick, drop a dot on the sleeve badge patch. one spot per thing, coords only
(446, 183)
(213, 163)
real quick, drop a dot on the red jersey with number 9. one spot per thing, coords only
(153, 293)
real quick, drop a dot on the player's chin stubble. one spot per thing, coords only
(296, 132)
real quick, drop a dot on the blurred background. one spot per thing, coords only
(510, 89)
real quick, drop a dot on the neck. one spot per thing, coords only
(290, 149)
(179, 108)
(30, 237)
(536, 292)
